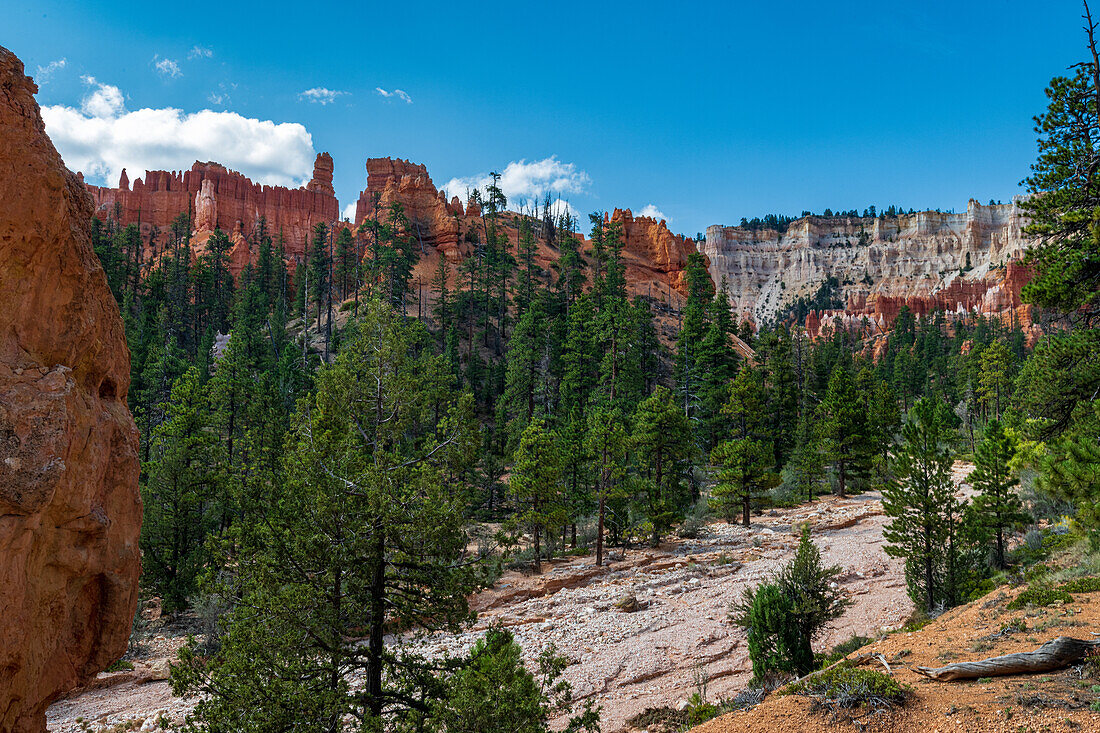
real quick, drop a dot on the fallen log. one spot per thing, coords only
(1054, 654)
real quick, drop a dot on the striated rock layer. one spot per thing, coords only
(880, 262)
(70, 512)
(218, 197)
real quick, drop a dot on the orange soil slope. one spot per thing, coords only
(1053, 701)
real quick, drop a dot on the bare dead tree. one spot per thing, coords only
(1054, 654)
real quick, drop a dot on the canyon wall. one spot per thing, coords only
(70, 511)
(218, 197)
(880, 262)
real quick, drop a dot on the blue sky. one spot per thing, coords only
(705, 111)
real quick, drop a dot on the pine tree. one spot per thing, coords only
(493, 692)
(689, 380)
(320, 265)
(780, 394)
(745, 472)
(994, 379)
(745, 406)
(178, 488)
(606, 443)
(997, 506)
(842, 421)
(783, 616)
(580, 356)
(662, 439)
(346, 264)
(1071, 468)
(806, 467)
(1066, 179)
(922, 507)
(536, 484)
(362, 533)
(524, 369)
(717, 363)
(443, 313)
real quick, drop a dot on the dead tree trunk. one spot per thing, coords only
(1054, 654)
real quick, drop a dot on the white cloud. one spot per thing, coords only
(199, 52)
(103, 101)
(320, 95)
(522, 181)
(395, 94)
(221, 96)
(654, 213)
(561, 206)
(167, 68)
(44, 73)
(102, 137)
(348, 212)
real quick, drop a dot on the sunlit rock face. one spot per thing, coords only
(216, 197)
(70, 510)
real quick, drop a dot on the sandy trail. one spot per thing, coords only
(628, 662)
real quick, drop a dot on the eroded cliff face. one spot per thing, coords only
(650, 242)
(435, 221)
(218, 197)
(880, 261)
(70, 511)
(653, 255)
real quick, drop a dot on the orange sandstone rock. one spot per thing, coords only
(70, 511)
(218, 197)
(434, 221)
(650, 241)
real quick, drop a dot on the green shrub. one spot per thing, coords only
(849, 687)
(120, 665)
(766, 613)
(1059, 541)
(783, 616)
(1082, 585)
(917, 621)
(494, 692)
(842, 650)
(1039, 594)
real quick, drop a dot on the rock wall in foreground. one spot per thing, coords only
(70, 510)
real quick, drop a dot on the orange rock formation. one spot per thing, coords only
(434, 220)
(70, 512)
(651, 242)
(218, 197)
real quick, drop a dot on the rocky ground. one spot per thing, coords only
(627, 660)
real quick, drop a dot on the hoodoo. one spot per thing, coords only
(70, 511)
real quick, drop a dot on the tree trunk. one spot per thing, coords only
(1000, 548)
(538, 557)
(1054, 654)
(745, 510)
(376, 644)
(599, 532)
